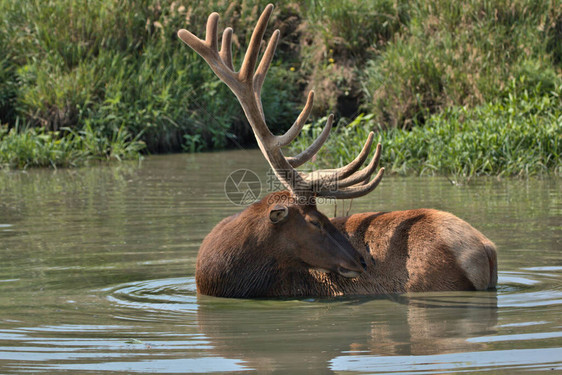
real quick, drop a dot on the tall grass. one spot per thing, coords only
(342, 35)
(117, 67)
(36, 147)
(519, 134)
(463, 53)
(120, 64)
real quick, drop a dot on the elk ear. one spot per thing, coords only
(278, 214)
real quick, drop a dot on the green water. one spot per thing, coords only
(97, 265)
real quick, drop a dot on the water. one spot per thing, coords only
(97, 265)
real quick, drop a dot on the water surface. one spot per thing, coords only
(97, 265)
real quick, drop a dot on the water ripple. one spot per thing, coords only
(172, 295)
(520, 359)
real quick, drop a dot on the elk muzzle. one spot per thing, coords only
(350, 262)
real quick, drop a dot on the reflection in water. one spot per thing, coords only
(97, 265)
(161, 326)
(322, 330)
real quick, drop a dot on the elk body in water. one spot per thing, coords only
(283, 246)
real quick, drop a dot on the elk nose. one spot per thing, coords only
(363, 263)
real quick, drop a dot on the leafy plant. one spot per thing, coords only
(24, 146)
(519, 134)
(116, 73)
(461, 53)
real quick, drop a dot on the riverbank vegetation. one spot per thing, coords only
(37, 147)
(477, 83)
(516, 135)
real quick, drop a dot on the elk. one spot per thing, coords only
(282, 246)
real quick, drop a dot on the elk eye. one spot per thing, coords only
(316, 223)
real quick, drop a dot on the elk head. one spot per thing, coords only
(339, 183)
(308, 236)
(268, 250)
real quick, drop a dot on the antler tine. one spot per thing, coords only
(249, 63)
(247, 85)
(354, 191)
(354, 165)
(208, 49)
(226, 48)
(363, 175)
(307, 154)
(331, 183)
(296, 128)
(263, 67)
(211, 36)
(194, 42)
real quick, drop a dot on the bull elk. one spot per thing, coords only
(283, 246)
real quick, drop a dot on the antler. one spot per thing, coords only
(246, 84)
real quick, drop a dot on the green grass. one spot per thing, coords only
(120, 64)
(517, 135)
(462, 53)
(34, 147)
(112, 68)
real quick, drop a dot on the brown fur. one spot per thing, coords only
(420, 250)
(246, 255)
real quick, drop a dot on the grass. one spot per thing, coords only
(35, 147)
(87, 77)
(462, 53)
(517, 135)
(120, 64)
